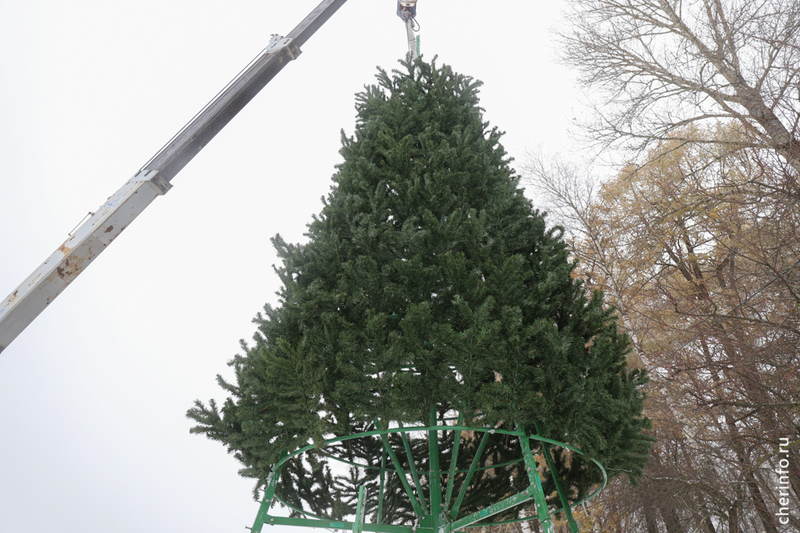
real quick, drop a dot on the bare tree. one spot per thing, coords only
(700, 251)
(656, 66)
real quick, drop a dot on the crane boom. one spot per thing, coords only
(28, 300)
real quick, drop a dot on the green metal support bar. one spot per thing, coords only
(358, 524)
(266, 502)
(381, 487)
(536, 482)
(402, 475)
(493, 509)
(344, 526)
(414, 475)
(475, 462)
(562, 495)
(435, 476)
(451, 475)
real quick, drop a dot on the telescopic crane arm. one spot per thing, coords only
(25, 303)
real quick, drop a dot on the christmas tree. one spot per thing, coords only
(428, 284)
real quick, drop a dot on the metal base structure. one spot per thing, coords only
(439, 515)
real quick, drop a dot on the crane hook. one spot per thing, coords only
(406, 9)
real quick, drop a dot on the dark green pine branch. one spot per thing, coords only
(428, 282)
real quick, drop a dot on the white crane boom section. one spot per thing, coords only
(28, 300)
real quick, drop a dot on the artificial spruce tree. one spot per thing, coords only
(428, 284)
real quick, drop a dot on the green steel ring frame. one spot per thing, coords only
(436, 516)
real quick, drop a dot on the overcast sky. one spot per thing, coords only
(93, 395)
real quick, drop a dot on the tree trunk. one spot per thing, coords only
(650, 519)
(750, 480)
(672, 520)
(733, 519)
(708, 526)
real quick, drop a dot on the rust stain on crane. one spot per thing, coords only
(65, 270)
(13, 297)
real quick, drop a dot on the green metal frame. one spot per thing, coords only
(436, 515)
